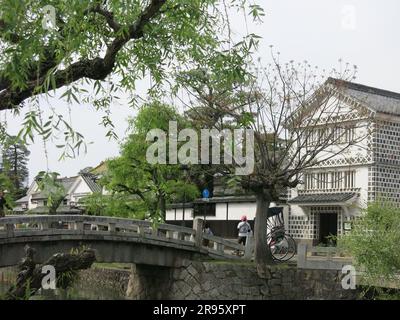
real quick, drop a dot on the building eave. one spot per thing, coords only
(325, 199)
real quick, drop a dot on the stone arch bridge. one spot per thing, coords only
(113, 239)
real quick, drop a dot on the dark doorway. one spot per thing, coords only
(327, 227)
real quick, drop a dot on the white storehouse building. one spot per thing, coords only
(332, 194)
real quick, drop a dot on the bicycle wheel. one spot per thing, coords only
(277, 244)
(291, 248)
(282, 247)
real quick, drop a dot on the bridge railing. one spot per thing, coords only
(222, 246)
(39, 225)
(331, 258)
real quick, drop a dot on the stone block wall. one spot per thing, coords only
(104, 280)
(228, 281)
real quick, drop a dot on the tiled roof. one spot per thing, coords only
(323, 197)
(376, 99)
(23, 200)
(230, 199)
(100, 169)
(90, 180)
(66, 182)
(226, 199)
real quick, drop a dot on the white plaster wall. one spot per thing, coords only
(34, 188)
(362, 182)
(82, 187)
(32, 205)
(79, 190)
(361, 132)
(333, 105)
(236, 210)
(170, 214)
(296, 210)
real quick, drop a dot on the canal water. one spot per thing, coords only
(81, 290)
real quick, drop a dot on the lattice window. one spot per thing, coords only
(330, 180)
(338, 135)
(344, 161)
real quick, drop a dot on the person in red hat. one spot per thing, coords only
(244, 230)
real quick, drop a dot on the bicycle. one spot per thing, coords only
(281, 244)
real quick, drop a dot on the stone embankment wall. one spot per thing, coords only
(213, 280)
(219, 280)
(105, 280)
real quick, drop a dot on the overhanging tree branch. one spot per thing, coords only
(95, 69)
(109, 16)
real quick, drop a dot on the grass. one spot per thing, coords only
(230, 262)
(248, 263)
(114, 266)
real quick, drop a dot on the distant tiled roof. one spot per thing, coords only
(230, 199)
(90, 180)
(100, 169)
(23, 200)
(39, 196)
(376, 99)
(227, 199)
(66, 182)
(323, 198)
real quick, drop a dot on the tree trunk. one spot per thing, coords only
(262, 252)
(29, 279)
(16, 178)
(162, 206)
(210, 184)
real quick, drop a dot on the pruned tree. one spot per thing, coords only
(299, 121)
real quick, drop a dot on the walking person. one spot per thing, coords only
(244, 230)
(207, 230)
(3, 203)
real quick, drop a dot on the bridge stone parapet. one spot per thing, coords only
(113, 239)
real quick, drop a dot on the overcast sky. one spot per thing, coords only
(362, 32)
